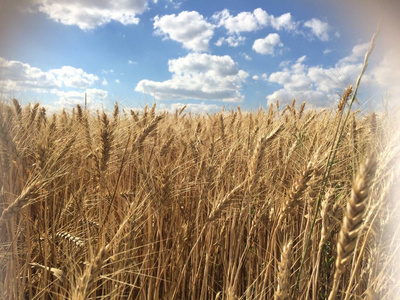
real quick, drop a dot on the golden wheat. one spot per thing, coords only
(152, 205)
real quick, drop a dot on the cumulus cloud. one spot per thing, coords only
(243, 22)
(70, 99)
(189, 28)
(313, 98)
(245, 56)
(196, 108)
(268, 44)
(199, 76)
(233, 41)
(321, 86)
(74, 77)
(357, 52)
(17, 76)
(89, 14)
(252, 21)
(175, 4)
(318, 28)
(284, 21)
(316, 84)
(294, 79)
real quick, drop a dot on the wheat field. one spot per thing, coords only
(281, 203)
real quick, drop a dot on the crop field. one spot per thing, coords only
(287, 202)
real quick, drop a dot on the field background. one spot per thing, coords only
(234, 205)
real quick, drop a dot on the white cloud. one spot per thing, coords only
(387, 72)
(295, 79)
(220, 42)
(256, 77)
(188, 28)
(323, 85)
(311, 97)
(268, 44)
(285, 63)
(264, 76)
(17, 76)
(70, 99)
(131, 62)
(245, 56)
(233, 41)
(285, 21)
(195, 108)
(319, 28)
(199, 76)
(173, 4)
(357, 52)
(73, 77)
(107, 71)
(252, 21)
(243, 22)
(117, 81)
(327, 51)
(89, 14)
(316, 84)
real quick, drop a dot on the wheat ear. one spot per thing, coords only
(58, 273)
(18, 109)
(353, 219)
(106, 141)
(284, 266)
(92, 271)
(28, 193)
(255, 164)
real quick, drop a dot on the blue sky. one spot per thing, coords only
(203, 54)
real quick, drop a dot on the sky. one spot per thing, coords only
(207, 55)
